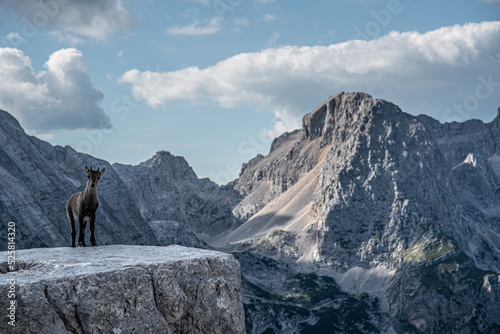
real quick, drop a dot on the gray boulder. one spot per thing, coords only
(125, 289)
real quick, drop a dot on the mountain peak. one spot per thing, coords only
(342, 107)
(165, 163)
(160, 158)
(8, 118)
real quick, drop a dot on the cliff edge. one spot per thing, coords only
(124, 289)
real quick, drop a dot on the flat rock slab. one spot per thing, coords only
(123, 289)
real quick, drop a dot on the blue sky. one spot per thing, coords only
(215, 80)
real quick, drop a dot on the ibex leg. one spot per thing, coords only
(72, 226)
(92, 226)
(81, 233)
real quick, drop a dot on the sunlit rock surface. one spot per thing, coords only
(125, 289)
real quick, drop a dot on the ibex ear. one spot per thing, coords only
(102, 171)
(86, 169)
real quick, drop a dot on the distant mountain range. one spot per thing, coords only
(366, 220)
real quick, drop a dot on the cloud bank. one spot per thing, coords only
(60, 97)
(422, 72)
(96, 19)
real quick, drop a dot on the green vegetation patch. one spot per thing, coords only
(449, 267)
(427, 251)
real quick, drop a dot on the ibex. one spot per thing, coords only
(83, 206)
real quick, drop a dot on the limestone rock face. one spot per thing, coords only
(398, 206)
(125, 289)
(362, 181)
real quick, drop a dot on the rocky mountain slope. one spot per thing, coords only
(125, 289)
(400, 207)
(365, 162)
(36, 181)
(166, 188)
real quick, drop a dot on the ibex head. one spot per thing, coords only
(93, 175)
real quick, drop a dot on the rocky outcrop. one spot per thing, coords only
(36, 181)
(125, 289)
(166, 188)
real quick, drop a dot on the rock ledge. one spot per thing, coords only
(125, 289)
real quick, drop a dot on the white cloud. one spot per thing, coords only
(12, 37)
(423, 73)
(96, 19)
(195, 29)
(65, 38)
(269, 17)
(59, 97)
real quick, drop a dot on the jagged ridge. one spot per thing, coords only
(166, 188)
